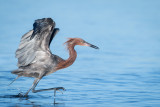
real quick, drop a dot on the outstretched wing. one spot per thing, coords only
(36, 41)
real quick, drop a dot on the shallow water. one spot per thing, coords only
(88, 88)
(125, 71)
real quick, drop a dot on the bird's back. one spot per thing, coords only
(44, 66)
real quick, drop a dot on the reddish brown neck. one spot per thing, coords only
(70, 60)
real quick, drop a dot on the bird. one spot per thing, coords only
(35, 58)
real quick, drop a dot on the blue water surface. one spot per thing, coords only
(125, 71)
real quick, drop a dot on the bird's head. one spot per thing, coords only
(79, 41)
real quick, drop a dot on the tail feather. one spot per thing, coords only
(17, 72)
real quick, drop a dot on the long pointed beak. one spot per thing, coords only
(90, 45)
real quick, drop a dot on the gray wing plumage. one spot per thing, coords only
(36, 41)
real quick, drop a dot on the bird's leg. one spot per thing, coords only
(35, 84)
(55, 89)
(14, 80)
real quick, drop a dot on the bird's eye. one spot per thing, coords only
(82, 41)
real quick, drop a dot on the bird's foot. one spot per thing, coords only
(22, 95)
(59, 89)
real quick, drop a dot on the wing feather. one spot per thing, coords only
(35, 41)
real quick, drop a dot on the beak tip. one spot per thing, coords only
(97, 48)
(90, 45)
(93, 46)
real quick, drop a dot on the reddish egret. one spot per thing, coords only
(35, 58)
